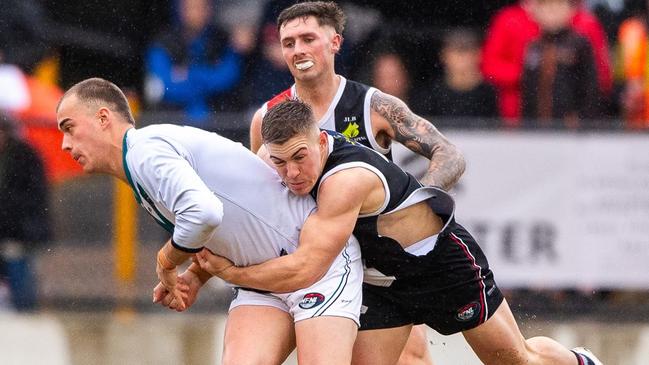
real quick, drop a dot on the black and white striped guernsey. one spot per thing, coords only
(403, 190)
(349, 112)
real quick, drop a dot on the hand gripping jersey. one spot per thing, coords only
(403, 190)
(348, 113)
(208, 191)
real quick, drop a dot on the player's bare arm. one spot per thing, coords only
(392, 117)
(255, 131)
(341, 198)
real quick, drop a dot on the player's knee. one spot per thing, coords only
(408, 359)
(417, 345)
(413, 353)
(416, 350)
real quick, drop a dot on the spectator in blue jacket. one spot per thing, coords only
(192, 65)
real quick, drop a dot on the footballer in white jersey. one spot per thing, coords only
(185, 176)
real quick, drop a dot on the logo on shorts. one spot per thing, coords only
(311, 300)
(468, 312)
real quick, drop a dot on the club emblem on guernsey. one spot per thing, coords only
(468, 312)
(311, 300)
(352, 130)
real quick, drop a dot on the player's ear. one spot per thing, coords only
(336, 43)
(103, 114)
(322, 139)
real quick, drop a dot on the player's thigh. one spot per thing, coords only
(380, 346)
(326, 340)
(498, 340)
(416, 350)
(257, 335)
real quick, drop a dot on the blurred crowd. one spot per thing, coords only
(559, 63)
(526, 63)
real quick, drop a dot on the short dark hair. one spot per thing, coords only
(326, 12)
(98, 90)
(286, 120)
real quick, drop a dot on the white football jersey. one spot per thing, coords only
(209, 191)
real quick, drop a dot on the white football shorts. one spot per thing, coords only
(337, 293)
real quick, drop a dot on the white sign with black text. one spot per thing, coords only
(554, 209)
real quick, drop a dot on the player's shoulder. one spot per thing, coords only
(348, 180)
(357, 84)
(284, 95)
(143, 141)
(357, 89)
(153, 131)
(346, 150)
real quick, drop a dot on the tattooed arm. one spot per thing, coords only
(393, 120)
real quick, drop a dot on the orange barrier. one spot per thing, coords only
(58, 164)
(39, 126)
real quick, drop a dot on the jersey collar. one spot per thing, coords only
(126, 171)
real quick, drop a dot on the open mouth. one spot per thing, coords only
(304, 65)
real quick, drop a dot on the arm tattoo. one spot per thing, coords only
(420, 136)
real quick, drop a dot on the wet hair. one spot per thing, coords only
(326, 13)
(286, 120)
(99, 91)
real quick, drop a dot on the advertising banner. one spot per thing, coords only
(555, 209)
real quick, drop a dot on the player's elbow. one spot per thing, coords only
(460, 161)
(213, 218)
(454, 154)
(306, 272)
(303, 280)
(455, 164)
(299, 270)
(211, 214)
(311, 277)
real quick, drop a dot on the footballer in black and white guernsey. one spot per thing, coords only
(310, 37)
(348, 113)
(442, 280)
(424, 268)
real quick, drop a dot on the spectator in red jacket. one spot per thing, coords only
(510, 32)
(559, 82)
